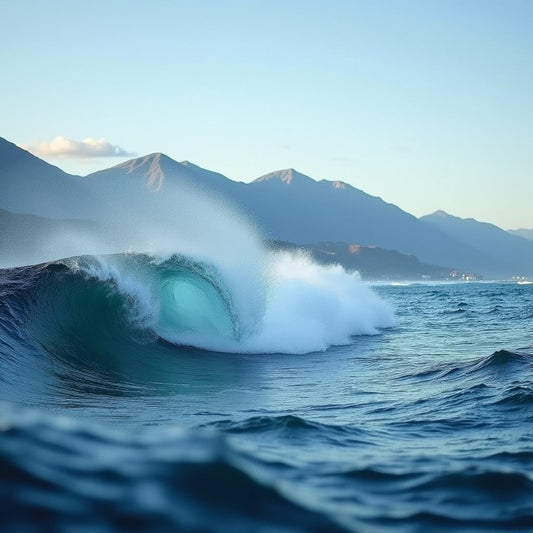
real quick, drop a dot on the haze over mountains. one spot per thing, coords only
(286, 205)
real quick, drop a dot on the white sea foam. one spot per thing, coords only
(310, 307)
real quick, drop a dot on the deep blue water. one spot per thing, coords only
(107, 423)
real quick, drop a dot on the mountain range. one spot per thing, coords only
(285, 205)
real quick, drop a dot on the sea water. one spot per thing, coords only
(326, 405)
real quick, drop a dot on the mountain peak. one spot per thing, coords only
(442, 214)
(287, 176)
(149, 167)
(154, 170)
(146, 160)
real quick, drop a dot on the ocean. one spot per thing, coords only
(168, 393)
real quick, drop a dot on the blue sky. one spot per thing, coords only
(426, 103)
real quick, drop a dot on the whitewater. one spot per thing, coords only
(175, 375)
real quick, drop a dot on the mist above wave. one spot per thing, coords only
(237, 296)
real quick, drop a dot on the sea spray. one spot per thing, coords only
(196, 273)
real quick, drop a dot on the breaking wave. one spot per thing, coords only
(109, 302)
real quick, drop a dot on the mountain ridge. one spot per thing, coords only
(285, 205)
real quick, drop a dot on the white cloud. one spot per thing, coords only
(61, 147)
